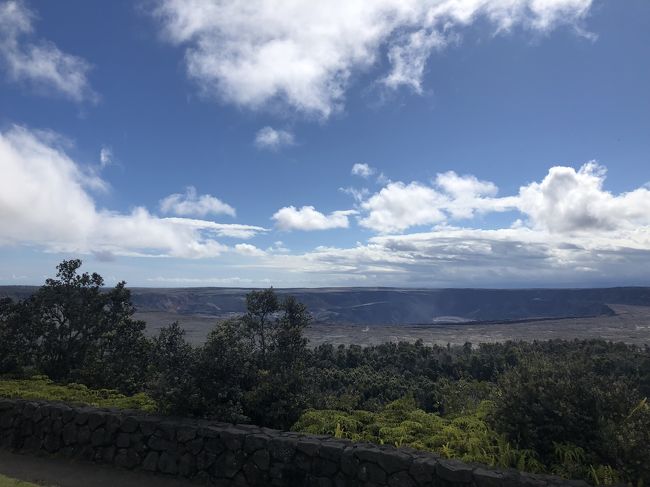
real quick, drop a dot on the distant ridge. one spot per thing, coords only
(393, 305)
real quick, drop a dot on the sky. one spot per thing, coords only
(250, 143)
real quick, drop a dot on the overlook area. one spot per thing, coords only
(331, 243)
(573, 409)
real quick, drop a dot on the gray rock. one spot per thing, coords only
(127, 458)
(332, 450)
(488, 478)
(52, 443)
(232, 438)
(401, 479)
(159, 444)
(187, 465)
(83, 435)
(255, 442)
(214, 445)
(129, 425)
(349, 463)
(228, 464)
(283, 448)
(167, 464)
(185, 434)
(69, 415)
(123, 440)
(108, 454)
(205, 460)
(69, 433)
(370, 472)
(324, 468)
(150, 462)
(454, 471)
(309, 446)
(262, 459)
(423, 470)
(95, 420)
(98, 437)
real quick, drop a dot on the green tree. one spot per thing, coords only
(19, 339)
(73, 329)
(226, 369)
(173, 364)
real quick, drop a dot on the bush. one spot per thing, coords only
(42, 388)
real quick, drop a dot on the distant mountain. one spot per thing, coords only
(392, 305)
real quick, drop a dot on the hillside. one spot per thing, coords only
(365, 306)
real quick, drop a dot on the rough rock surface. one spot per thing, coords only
(226, 454)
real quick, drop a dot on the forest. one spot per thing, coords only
(577, 409)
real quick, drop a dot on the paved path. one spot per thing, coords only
(66, 473)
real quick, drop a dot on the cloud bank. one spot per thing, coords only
(45, 200)
(303, 54)
(39, 63)
(564, 229)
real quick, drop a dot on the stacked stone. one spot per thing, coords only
(239, 455)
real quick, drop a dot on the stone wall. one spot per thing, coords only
(226, 454)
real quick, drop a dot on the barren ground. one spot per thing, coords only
(631, 324)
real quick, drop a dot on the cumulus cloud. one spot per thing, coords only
(270, 138)
(192, 204)
(249, 250)
(45, 200)
(398, 206)
(308, 218)
(39, 63)
(567, 200)
(363, 170)
(303, 54)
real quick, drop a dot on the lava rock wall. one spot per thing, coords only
(238, 455)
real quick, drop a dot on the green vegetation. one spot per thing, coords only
(573, 408)
(469, 437)
(42, 388)
(9, 482)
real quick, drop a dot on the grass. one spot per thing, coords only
(40, 387)
(9, 482)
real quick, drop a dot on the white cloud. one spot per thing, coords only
(303, 53)
(270, 138)
(574, 201)
(452, 256)
(193, 204)
(45, 201)
(363, 170)
(105, 157)
(308, 218)
(565, 201)
(39, 63)
(399, 206)
(571, 230)
(249, 250)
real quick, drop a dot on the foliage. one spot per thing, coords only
(251, 368)
(42, 388)
(9, 482)
(400, 423)
(573, 408)
(172, 364)
(73, 330)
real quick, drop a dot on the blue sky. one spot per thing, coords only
(490, 143)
